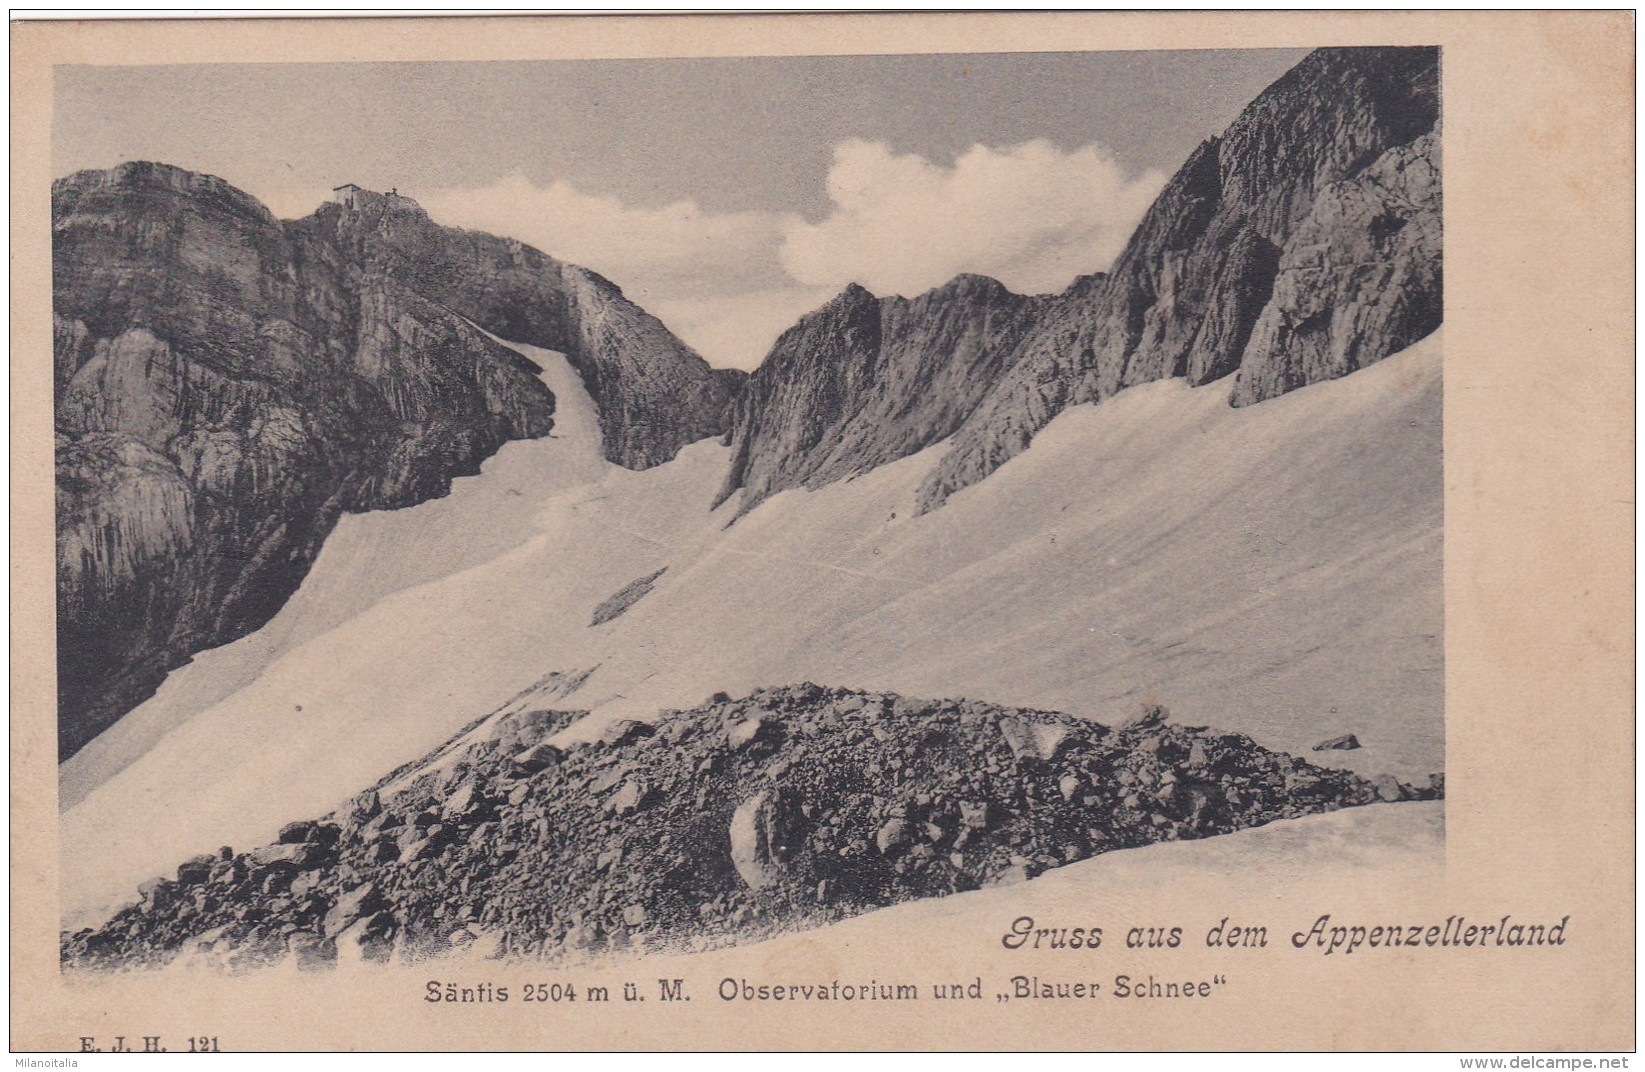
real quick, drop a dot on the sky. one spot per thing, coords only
(726, 196)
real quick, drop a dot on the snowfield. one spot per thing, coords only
(1274, 570)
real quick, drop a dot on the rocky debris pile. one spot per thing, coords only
(790, 807)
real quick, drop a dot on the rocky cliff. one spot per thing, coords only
(654, 394)
(865, 380)
(228, 384)
(1301, 245)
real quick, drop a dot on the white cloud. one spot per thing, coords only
(1032, 216)
(651, 253)
(729, 283)
(713, 278)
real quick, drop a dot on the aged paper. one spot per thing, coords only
(1314, 731)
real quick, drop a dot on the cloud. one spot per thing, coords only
(1032, 216)
(652, 253)
(729, 283)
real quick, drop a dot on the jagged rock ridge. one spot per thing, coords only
(792, 806)
(865, 380)
(227, 385)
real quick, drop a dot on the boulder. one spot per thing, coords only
(633, 796)
(1009, 876)
(369, 939)
(414, 846)
(584, 937)
(287, 856)
(1388, 788)
(195, 870)
(1034, 740)
(760, 729)
(363, 808)
(609, 779)
(489, 945)
(206, 941)
(626, 731)
(352, 906)
(1151, 717)
(379, 826)
(1344, 743)
(539, 757)
(464, 801)
(154, 895)
(759, 834)
(382, 852)
(892, 837)
(298, 833)
(975, 815)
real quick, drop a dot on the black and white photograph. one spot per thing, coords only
(523, 518)
(553, 534)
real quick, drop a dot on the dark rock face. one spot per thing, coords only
(625, 597)
(865, 380)
(654, 394)
(1359, 279)
(1302, 244)
(227, 385)
(791, 807)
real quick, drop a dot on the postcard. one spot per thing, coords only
(1094, 531)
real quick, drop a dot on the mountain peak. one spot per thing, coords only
(138, 182)
(854, 292)
(866, 380)
(970, 281)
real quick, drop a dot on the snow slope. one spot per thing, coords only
(368, 557)
(1273, 570)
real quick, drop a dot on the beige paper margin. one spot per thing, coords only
(1538, 412)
